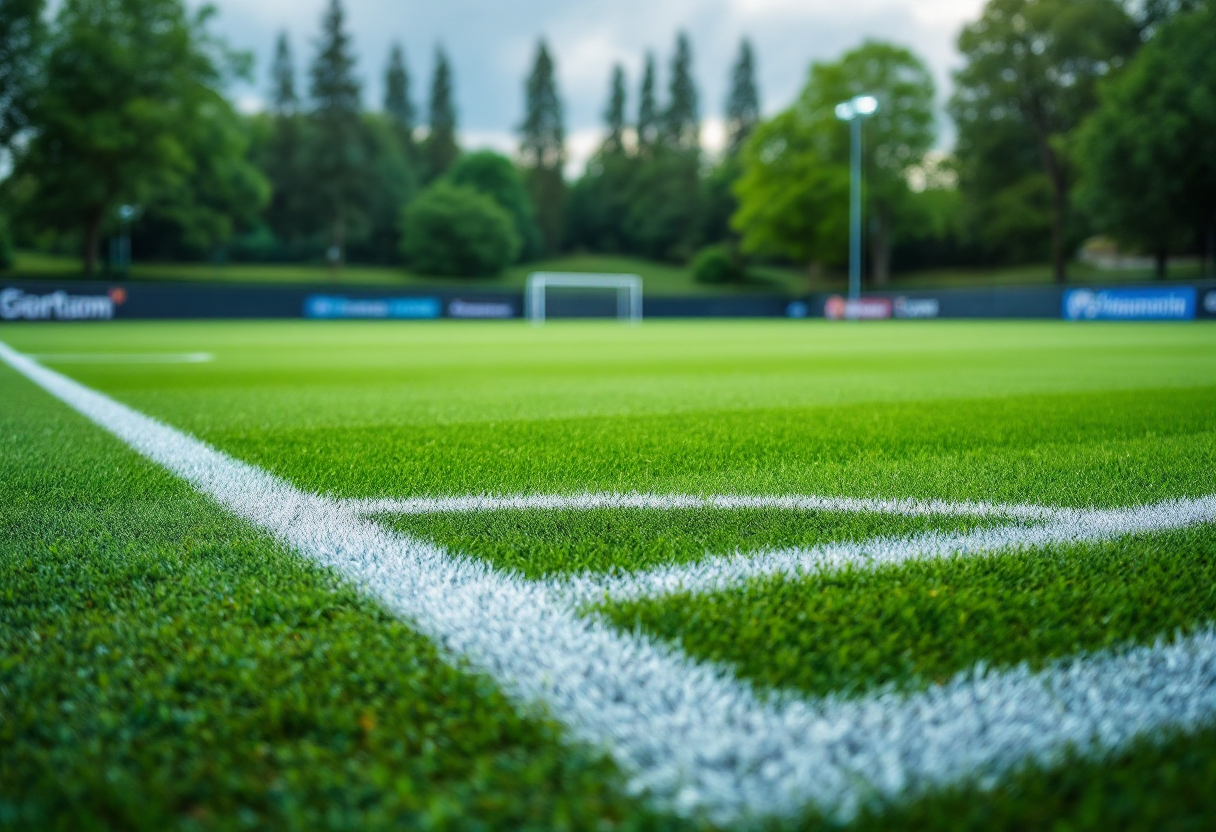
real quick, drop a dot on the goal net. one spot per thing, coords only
(565, 295)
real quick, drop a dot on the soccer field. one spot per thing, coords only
(780, 575)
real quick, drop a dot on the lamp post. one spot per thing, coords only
(126, 213)
(853, 111)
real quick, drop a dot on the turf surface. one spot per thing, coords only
(163, 665)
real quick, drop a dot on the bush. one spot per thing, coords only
(452, 230)
(6, 245)
(716, 265)
(494, 175)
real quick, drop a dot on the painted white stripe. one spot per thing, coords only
(668, 502)
(1067, 526)
(690, 735)
(125, 357)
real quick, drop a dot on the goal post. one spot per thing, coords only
(628, 289)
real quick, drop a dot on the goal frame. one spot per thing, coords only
(628, 292)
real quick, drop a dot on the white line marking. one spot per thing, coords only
(125, 357)
(668, 502)
(1068, 526)
(690, 735)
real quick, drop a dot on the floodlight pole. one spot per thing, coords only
(853, 111)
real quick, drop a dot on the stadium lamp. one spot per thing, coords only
(853, 111)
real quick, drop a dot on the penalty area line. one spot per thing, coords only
(690, 735)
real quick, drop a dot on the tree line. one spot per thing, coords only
(1073, 118)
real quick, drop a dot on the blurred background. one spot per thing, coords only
(698, 145)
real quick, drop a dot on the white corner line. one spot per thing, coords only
(690, 735)
(667, 502)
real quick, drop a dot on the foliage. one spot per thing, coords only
(743, 103)
(663, 220)
(129, 111)
(439, 150)
(793, 194)
(493, 175)
(1031, 75)
(454, 230)
(717, 264)
(1148, 155)
(614, 114)
(397, 102)
(648, 109)
(21, 36)
(6, 244)
(680, 126)
(337, 156)
(542, 149)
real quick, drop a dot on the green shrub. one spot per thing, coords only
(716, 265)
(6, 245)
(453, 230)
(497, 177)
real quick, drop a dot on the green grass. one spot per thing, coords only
(660, 279)
(539, 544)
(850, 632)
(164, 666)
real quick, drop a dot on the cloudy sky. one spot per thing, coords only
(491, 44)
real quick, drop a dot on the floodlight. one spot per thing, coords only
(865, 105)
(844, 111)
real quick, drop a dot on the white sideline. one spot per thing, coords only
(689, 734)
(125, 357)
(668, 502)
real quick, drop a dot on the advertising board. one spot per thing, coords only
(1140, 304)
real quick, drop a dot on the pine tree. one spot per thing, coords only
(284, 161)
(542, 136)
(681, 126)
(614, 116)
(648, 109)
(336, 112)
(743, 104)
(441, 149)
(283, 99)
(397, 103)
(542, 147)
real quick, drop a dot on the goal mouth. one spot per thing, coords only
(583, 295)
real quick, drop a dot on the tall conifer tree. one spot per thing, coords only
(648, 108)
(743, 104)
(440, 150)
(614, 115)
(397, 102)
(283, 98)
(542, 147)
(336, 112)
(681, 125)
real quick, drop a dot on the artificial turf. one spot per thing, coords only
(163, 665)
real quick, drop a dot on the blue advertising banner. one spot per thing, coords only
(1173, 304)
(330, 307)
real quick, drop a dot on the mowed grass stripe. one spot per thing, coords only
(1094, 449)
(164, 666)
(848, 632)
(547, 543)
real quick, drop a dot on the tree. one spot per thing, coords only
(542, 148)
(1032, 68)
(450, 230)
(648, 109)
(614, 115)
(338, 157)
(493, 175)
(801, 162)
(681, 127)
(440, 149)
(397, 102)
(21, 38)
(1147, 156)
(283, 158)
(129, 89)
(743, 103)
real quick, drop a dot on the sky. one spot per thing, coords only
(491, 44)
